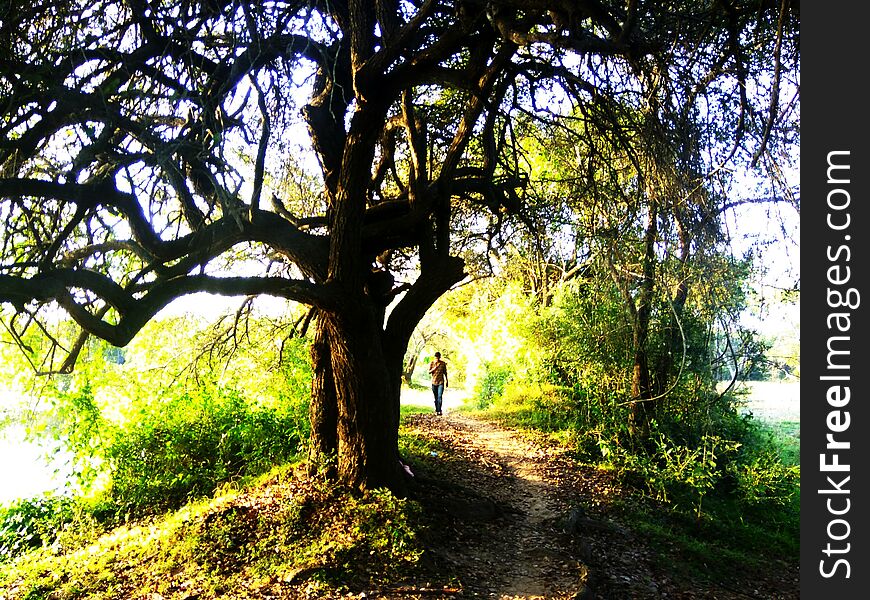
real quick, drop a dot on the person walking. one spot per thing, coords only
(438, 371)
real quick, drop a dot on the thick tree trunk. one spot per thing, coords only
(354, 408)
(357, 363)
(365, 355)
(323, 412)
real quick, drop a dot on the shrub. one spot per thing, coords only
(32, 523)
(186, 446)
(492, 383)
(763, 480)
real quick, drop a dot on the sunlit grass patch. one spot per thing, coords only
(413, 409)
(549, 411)
(123, 560)
(287, 530)
(416, 444)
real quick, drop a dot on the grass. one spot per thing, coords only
(722, 541)
(413, 409)
(776, 408)
(283, 530)
(786, 435)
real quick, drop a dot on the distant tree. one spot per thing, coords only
(422, 337)
(153, 149)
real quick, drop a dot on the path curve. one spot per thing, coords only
(519, 548)
(513, 517)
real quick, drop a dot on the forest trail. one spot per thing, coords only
(514, 517)
(522, 557)
(509, 515)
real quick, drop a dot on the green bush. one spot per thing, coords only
(174, 450)
(62, 522)
(32, 523)
(491, 384)
(141, 439)
(766, 481)
(186, 446)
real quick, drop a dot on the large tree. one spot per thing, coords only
(147, 151)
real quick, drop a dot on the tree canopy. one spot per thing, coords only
(354, 156)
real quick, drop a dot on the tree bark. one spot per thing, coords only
(641, 392)
(354, 427)
(323, 411)
(408, 371)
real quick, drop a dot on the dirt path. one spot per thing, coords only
(536, 564)
(516, 518)
(507, 489)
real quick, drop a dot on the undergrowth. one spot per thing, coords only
(285, 530)
(716, 501)
(253, 538)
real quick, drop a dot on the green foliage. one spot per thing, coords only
(180, 448)
(492, 383)
(31, 523)
(786, 436)
(677, 474)
(185, 446)
(766, 477)
(386, 526)
(697, 456)
(77, 428)
(763, 480)
(711, 549)
(141, 440)
(55, 521)
(584, 330)
(582, 349)
(496, 340)
(545, 407)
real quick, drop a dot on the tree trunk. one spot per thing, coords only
(408, 371)
(354, 408)
(323, 412)
(641, 392)
(357, 360)
(365, 353)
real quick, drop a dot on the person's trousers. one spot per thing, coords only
(438, 392)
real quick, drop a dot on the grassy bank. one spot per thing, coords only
(726, 505)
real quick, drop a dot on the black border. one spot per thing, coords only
(834, 106)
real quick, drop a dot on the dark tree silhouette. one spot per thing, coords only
(147, 151)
